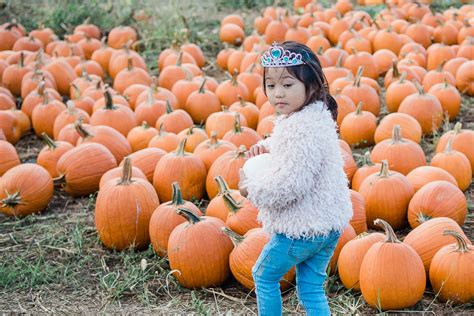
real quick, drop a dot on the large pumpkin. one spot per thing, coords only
(210, 259)
(81, 168)
(246, 251)
(25, 189)
(428, 238)
(391, 274)
(386, 195)
(123, 210)
(187, 169)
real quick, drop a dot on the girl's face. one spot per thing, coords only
(285, 93)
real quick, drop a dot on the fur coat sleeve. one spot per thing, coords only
(296, 147)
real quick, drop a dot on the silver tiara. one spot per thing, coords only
(277, 56)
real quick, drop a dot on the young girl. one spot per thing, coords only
(302, 195)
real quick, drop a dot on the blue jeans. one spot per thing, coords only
(311, 257)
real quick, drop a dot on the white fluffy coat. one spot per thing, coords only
(304, 192)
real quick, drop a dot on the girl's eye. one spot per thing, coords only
(287, 85)
(270, 86)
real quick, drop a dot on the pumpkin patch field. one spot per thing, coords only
(123, 126)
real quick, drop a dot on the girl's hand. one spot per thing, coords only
(242, 180)
(256, 150)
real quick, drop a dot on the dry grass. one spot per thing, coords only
(53, 262)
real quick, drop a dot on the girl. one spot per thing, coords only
(303, 196)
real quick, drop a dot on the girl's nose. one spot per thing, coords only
(279, 92)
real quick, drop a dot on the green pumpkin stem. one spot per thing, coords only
(358, 110)
(389, 233)
(234, 237)
(177, 197)
(71, 109)
(127, 172)
(22, 59)
(190, 216)
(76, 91)
(179, 60)
(395, 73)
(461, 242)
(231, 203)
(151, 96)
(367, 160)
(457, 128)
(12, 200)
(223, 187)
(419, 88)
(403, 77)
(202, 88)
(81, 130)
(237, 126)
(358, 77)
(48, 141)
(421, 218)
(169, 108)
(234, 81)
(109, 104)
(449, 146)
(384, 171)
(339, 61)
(180, 150)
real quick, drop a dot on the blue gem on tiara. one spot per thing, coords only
(277, 56)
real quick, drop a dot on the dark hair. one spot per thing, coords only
(311, 75)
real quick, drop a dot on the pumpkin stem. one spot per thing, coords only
(403, 77)
(389, 233)
(202, 88)
(177, 195)
(48, 141)
(180, 150)
(339, 61)
(241, 151)
(419, 88)
(384, 171)
(76, 91)
(145, 125)
(70, 107)
(231, 203)
(41, 87)
(358, 110)
(396, 134)
(169, 109)
(423, 218)
(12, 200)
(395, 73)
(82, 131)
(233, 81)
(151, 96)
(223, 187)
(234, 237)
(109, 104)
(127, 172)
(213, 141)
(237, 126)
(22, 59)
(367, 160)
(457, 128)
(161, 130)
(224, 108)
(180, 58)
(358, 76)
(449, 145)
(461, 242)
(190, 216)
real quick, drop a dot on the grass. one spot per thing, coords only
(53, 262)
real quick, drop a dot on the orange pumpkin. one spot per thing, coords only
(358, 128)
(437, 199)
(49, 155)
(188, 170)
(386, 195)
(128, 204)
(19, 195)
(165, 218)
(210, 264)
(209, 150)
(452, 270)
(246, 251)
(428, 238)
(391, 274)
(81, 168)
(351, 256)
(146, 160)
